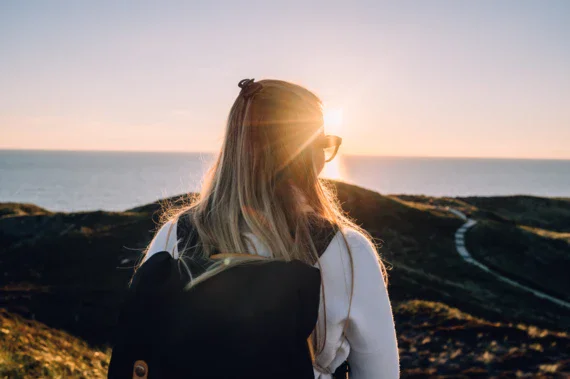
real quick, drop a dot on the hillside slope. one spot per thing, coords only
(30, 349)
(70, 270)
(434, 340)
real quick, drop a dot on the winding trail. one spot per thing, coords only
(462, 251)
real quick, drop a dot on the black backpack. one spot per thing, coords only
(250, 321)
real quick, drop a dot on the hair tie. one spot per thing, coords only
(249, 87)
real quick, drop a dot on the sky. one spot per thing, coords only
(410, 78)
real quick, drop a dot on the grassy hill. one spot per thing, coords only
(31, 349)
(69, 272)
(434, 340)
(419, 244)
(523, 237)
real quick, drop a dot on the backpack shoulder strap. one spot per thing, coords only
(188, 239)
(185, 232)
(322, 232)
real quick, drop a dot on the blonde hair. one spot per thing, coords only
(254, 185)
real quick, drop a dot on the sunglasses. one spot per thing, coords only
(330, 145)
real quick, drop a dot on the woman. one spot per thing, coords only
(262, 198)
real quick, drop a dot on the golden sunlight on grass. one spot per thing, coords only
(547, 233)
(31, 349)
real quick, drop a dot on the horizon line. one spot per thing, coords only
(214, 152)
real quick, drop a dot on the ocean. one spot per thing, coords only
(116, 181)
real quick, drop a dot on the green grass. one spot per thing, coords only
(545, 213)
(540, 260)
(434, 340)
(439, 341)
(30, 349)
(420, 246)
(73, 260)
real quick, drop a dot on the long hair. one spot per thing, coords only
(262, 182)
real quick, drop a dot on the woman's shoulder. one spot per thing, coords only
(165, 239)
(355, 238)
(352, 244)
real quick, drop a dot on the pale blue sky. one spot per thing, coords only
(417, 78)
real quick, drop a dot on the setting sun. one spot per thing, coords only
(333, 120)
(333, 169)
(333, 125)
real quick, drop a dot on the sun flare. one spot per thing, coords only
(333, 125)
(333, 120)
(333, 169)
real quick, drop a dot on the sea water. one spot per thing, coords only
(89, 180)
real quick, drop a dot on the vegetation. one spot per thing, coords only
(69, 272)
(436, 340)
(31, 349)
